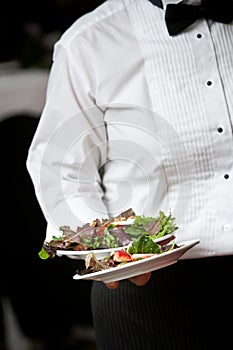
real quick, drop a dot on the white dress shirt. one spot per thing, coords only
(187, 2)
(137, 118)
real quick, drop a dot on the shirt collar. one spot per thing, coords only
(164, 3)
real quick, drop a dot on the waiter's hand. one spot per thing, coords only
(140, 280)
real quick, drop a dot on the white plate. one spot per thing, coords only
(81, 254)
(99, 253)
(132, 269)
(164, 238)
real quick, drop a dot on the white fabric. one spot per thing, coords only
(166, 2)
(188, 2)
(127, 98)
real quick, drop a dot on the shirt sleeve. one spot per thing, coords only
(68, 151)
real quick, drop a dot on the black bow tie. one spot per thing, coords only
(180, 16)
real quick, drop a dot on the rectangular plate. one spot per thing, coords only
(135, 268)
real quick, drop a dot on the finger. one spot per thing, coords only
(141, 280)
(112, 285)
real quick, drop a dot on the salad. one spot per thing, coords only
(125, 255)
(135, 232)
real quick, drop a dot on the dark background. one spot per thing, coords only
(46, 301)
(48, 15)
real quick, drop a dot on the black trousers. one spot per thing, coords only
(185, 306)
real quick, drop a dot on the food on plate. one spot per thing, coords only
(127, 229)
(120, 257)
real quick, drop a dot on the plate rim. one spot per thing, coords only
(85, 252)
(76, 253)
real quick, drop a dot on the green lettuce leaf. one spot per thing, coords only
(144, 244)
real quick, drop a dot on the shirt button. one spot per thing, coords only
(209, 83)
(226, 176)
(199, 36)
(227, 227)
(220, 129)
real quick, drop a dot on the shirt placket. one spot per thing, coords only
(211, 84)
